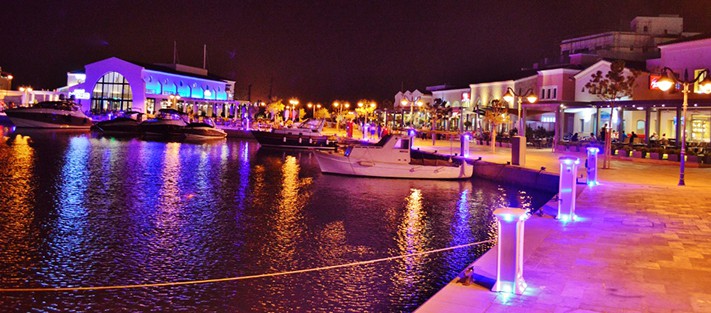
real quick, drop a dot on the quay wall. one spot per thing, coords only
(504, 173)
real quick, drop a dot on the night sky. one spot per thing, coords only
(313, 50)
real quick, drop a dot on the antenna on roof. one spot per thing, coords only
(204, 56)
(176, 59)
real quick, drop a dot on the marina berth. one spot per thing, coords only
(393, 157)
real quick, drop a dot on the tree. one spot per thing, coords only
(612, 87)
(496, 114)
(322, 113)
(438, 109)
(274, 109)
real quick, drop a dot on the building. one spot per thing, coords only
(114, 84)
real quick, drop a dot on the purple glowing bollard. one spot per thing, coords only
(592, 166)
(464, 147)
(567, 188)
(509, 266)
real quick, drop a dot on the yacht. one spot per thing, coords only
(204, 130)
(305, 135)
(167, 123)
(50, 114)
(393, 157)
(124, 124)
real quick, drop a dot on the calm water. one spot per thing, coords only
(79, 210)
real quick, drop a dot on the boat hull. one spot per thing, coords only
(47, 118)
(343, 165)
(202, 133)
(116, 127)
(294, 140)
(161, 129)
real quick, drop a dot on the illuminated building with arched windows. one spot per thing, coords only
(114, 84)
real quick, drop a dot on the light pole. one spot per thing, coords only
(665, 83)
(529, 95)
(294, 102)
(25, 95)
(313, 108)
(339, 109)
(416, 101)
(174, 101)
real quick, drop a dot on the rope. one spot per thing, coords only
(226, 279)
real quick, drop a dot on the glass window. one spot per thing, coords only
(111, 93)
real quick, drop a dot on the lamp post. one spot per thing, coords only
(416, 101)
(529, 95)
(313, 108)
(174, 101)
(669, 78)
(294, 102)
(25, 95)
(339, 109)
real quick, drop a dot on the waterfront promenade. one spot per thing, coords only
(643, 244)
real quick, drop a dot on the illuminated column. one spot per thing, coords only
(592, 165)
(464, 146)
(567, 187)
(509, 267)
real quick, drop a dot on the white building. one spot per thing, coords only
(114, 84)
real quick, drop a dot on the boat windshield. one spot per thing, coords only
(170, 115)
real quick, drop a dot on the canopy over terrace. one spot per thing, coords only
(657, 117)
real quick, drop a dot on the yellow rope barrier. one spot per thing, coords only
(217, 280)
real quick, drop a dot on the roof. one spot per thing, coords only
(164, 69)
(686, 39)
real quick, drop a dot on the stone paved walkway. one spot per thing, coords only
(643, 245)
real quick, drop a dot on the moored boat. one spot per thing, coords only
(393, 157)
(50, 114)
(204, 130)
(124, 124)
(306, 135)
(167, 123)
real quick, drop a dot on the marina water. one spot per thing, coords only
(81, 210)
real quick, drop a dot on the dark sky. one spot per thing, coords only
(313, 50)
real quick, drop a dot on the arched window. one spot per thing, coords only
(111, 93)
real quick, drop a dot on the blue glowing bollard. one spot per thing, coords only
(464, 147)
(567, 188)
(509, 266)
(592, 165)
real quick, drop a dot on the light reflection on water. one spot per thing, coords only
(80, 211)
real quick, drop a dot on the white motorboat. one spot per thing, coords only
(393, 157)
(168, 123)
(204, 130)
(50, 114)
(123, 124)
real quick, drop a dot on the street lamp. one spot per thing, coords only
(668, 79)
(339, 109)
(25, 94)
(174, 100)
(294, 102)
(529, 95)
(416, 101)
(313, 108)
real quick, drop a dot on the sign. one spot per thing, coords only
(80, 94)
(653, 80)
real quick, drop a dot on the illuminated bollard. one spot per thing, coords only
(509, 266)
(592, 166)
(567, 188)
(464, 146)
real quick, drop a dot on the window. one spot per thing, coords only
(111, 93)
(645, 29)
